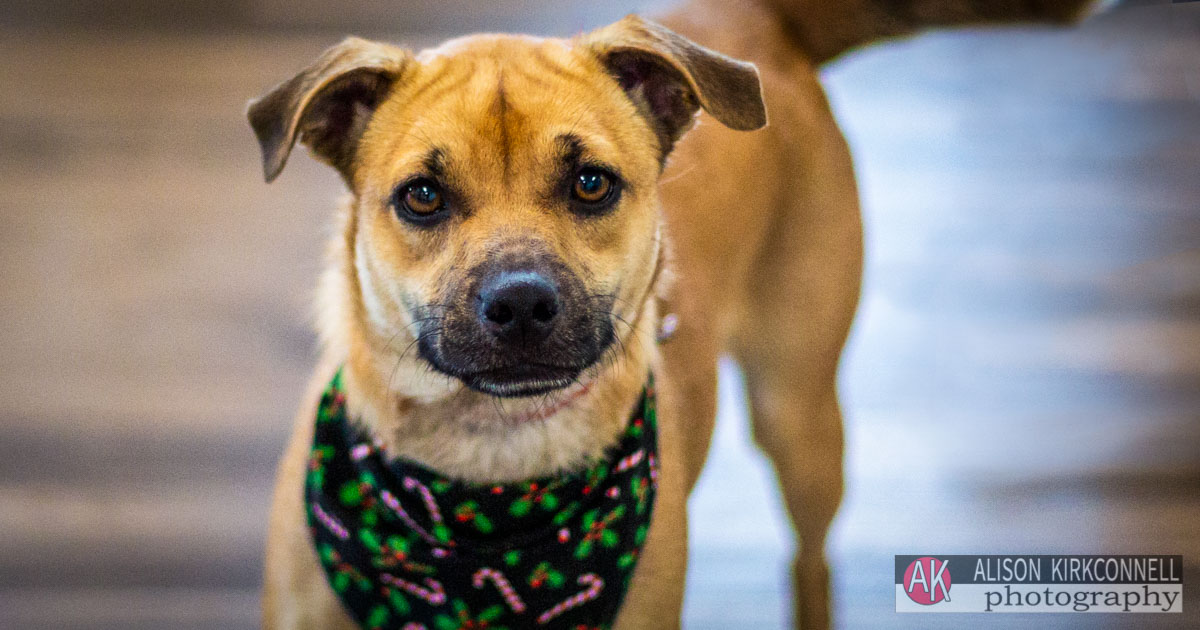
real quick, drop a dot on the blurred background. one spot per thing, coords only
(1024, 375)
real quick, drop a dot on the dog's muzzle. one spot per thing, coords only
(518, 326)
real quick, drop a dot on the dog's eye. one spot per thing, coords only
(420, 202)
(422, 197)
(592, 186)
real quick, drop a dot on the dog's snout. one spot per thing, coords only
(519, 306)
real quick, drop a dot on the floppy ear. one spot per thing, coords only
(327, 105)
(670, 77)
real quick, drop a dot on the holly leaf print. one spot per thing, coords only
(491, 614)
(341, 582)
(399, 603)
(520, 507)
(442, 533)
(377, 617)
(370, 540)
(350, 494)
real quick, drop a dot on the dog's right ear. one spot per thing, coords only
(670, 77)
(327, 105)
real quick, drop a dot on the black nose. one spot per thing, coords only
(518, 306)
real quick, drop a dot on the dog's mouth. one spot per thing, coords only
(529, 379)
(512, 378)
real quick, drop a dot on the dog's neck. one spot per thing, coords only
(436, 421)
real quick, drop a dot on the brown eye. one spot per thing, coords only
(422, 198)
(592, 186)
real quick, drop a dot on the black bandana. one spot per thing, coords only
(407, 549)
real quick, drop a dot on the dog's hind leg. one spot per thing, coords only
(792, 326)
(801, 432)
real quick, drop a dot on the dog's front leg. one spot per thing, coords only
(655, 596)
(296, 595)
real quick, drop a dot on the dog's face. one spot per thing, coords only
(506, 210)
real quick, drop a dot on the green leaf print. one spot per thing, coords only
(491, 614)
(341, 582)
(370, 540)
(350, 494)
(399, 604)
(316, 478)
(566, 513)
(520, 507)
(442, 533)
(377, 617)
(583, 550)
(397, 544)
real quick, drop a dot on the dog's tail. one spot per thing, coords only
(828, 28)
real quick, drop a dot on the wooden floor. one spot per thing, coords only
(1024, 375)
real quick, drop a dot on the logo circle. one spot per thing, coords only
(927, 581)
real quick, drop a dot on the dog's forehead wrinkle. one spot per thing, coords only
(502, 111)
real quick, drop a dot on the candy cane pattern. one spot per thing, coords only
(629, 462)
(330, 523)
(360, 451)
(426, 496)
(435, 594)
(392, 502)
(594, 586)
(502, 584)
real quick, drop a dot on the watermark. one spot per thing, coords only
(1039, 584)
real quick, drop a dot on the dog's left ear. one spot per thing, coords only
(327, 105)
(670, 77)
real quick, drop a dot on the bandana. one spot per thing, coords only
(405, 548)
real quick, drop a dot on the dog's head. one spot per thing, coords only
(505, 211)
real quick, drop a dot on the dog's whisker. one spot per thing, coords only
(499, 409)
(424, 334)
(679, 175)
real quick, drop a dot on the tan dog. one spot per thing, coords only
(496, 285)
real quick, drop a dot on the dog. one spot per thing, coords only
(525, 213)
